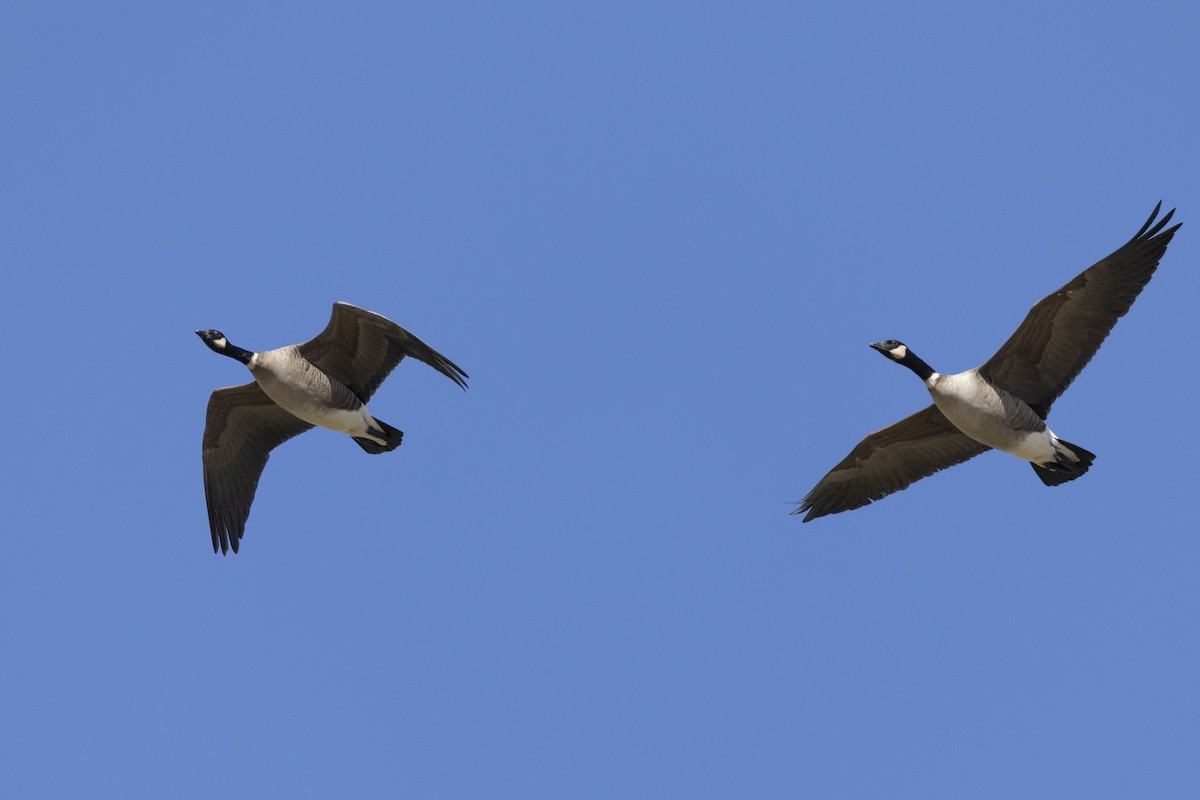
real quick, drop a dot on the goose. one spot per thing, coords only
(1002, 404)
(326, 381)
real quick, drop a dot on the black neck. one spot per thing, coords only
(235, 352)
(918, 366)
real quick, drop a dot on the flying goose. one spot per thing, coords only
(1002, 404)
(326, 381)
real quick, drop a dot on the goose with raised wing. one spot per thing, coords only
(324, 382)
(1002, 404)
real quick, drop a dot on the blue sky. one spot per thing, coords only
(659, 236)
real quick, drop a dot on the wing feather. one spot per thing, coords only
(242, 427)
(1064, 330)
(889, 460)
(360, 348)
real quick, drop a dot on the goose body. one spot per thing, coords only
(297, 386)
(323, 382)
(1002, 404)
(992, 416)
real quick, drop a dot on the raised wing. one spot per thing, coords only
(889, 460)
(360, 348)
(242, 428)
(1063, 331)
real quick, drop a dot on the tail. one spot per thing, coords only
(392, 435)
(1071, 462)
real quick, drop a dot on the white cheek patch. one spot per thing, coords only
(220, 342)
(899, 353)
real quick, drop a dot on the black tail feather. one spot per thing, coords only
(392, 435)
(1065, 469)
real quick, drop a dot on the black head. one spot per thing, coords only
(896, 351)
(899, 352)
(217, 342)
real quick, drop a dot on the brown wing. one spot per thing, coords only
(361, 348)
(890, 460)
(242, 428)
(1064, 330)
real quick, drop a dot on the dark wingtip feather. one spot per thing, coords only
(455, 373)
(1154, 232)
(1167, 218)
(807, 505)
(1150, 221)
(1147, 232)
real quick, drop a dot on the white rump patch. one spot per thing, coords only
(1036, 447)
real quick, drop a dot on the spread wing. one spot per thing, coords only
(1064, 330)
(242, 428)
(889, 460)
(360, 348)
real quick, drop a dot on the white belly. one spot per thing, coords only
(352, 423)
(978, 411)
(1028, 445)
(1035, 447)
(356, 422)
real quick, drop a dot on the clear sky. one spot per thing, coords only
(659, 237)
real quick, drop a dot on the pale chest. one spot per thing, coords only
(982, 412)
(307, 393)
